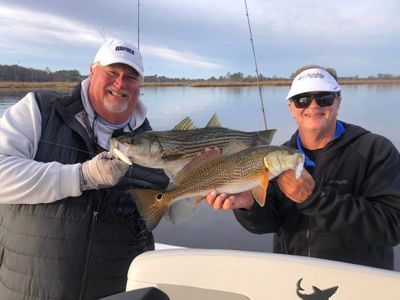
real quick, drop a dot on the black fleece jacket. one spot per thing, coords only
(353, 214)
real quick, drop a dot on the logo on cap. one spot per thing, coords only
(122, 48)
(311, 75)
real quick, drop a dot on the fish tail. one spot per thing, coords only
(151, 205)
(266, 136)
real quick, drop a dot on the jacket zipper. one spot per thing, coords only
(308, 238)
(308, 243)
(89, 247)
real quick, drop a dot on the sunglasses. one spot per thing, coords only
(322, 100)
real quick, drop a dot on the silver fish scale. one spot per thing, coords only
(191, 142)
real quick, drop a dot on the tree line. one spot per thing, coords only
(16, 73)
(21, 74)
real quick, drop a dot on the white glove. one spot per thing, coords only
(102, 171)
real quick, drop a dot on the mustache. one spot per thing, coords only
(118, 92)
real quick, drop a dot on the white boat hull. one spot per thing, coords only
(214, 274)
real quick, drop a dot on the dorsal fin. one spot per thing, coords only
(234, 146)
(196, 163)
(214, 121)
(185, 125)
(265, 136)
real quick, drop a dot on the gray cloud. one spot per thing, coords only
(204, 38)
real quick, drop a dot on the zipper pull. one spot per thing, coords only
(95, 213)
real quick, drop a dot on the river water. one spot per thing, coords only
(375, 107)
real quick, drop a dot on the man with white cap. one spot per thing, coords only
(346, 204)
(68, 230)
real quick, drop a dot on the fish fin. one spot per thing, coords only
(259, 195)
(198, 199)
(171, 185)
(264, 179)
(180, 210)
(149, 207)
(196, 163)
(171, 174)
(214, 121)
(185, 125)
(234, 146)
(265, 136)
(260, 192)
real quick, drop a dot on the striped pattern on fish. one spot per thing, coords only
(171, 150)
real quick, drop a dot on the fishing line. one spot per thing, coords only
(255, 64)
(67, 147)
(138, 23)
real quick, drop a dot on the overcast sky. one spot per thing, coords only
(204, 38)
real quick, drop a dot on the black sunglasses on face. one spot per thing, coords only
(322, 100)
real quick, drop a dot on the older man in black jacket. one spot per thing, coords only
(68, 230)
(346, 204)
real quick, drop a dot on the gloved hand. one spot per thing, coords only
(102, 171)
(143, 177)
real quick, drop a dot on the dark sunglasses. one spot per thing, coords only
(323, 100)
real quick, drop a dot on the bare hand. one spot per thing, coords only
(299, 189)
(230, 201)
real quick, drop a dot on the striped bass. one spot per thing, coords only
(249, 169)
(171, 150)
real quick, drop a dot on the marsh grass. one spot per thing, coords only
(69, 85)
(8, 85)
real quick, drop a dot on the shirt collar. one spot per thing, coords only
(102, 130)
(308, 162)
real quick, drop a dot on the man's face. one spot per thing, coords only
(114, 91)
(315, 118)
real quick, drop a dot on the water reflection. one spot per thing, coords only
(375, 107)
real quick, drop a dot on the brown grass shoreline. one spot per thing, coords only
(69, 85)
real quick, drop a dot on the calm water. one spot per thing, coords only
(375, 107)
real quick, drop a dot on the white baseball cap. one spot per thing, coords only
(313, 80)
(117, 51)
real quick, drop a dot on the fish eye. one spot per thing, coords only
(136, 140)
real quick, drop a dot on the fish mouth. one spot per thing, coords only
(118, 150)
(121, 156)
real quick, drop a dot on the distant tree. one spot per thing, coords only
(238, 76)
(67, 76)
(22, 74)
(385, 76)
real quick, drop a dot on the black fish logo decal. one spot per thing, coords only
(317, 293)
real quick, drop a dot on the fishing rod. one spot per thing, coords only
(255, 64)
(138, 23)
